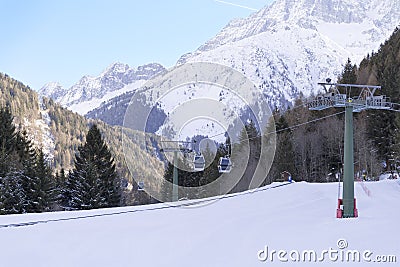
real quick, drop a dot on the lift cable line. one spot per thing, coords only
(366, 99)
(305, 123)
(284, 129)
(291, 109)
(393, 107)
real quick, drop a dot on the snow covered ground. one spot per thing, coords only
(228, 232)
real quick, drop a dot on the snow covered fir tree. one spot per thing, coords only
(93, 183)
(26, 183)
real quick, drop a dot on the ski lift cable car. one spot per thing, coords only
(141, 186)
(225, 163)
(199, 162)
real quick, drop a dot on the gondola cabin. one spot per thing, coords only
(224, 165)
(141, 186)
(199, 163)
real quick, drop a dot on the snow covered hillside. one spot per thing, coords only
(232, 231)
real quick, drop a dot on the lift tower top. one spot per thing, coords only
(351, 102)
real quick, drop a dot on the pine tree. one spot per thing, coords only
(384, 125)
(211, 173)
(284, 155)
(45, 194)
(249, 146)
(86, 185)
(93, 183)
(8, 140)
(59, 187)
(27, 156)
(27, 153)
(166, 188)
(66, 188)
(25, 178)
(12, 194)
(61, 178)
(349, 74)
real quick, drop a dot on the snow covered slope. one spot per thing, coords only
(288, 47)
(90, 91)
(227, 232)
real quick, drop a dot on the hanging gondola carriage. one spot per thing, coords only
(224, 165)
(141, 186)
(199, 163)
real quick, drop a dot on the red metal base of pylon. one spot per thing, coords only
(339, 210)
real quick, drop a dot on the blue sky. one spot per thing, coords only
(62, 40)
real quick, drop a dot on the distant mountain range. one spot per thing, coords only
(90, 92)
(285, 49)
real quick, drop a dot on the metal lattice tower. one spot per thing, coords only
(366, 99)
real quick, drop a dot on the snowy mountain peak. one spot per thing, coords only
(116, 67)
(52, 88)
(337, 11)
(288, 47)
(90, 91)
(378, 16)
